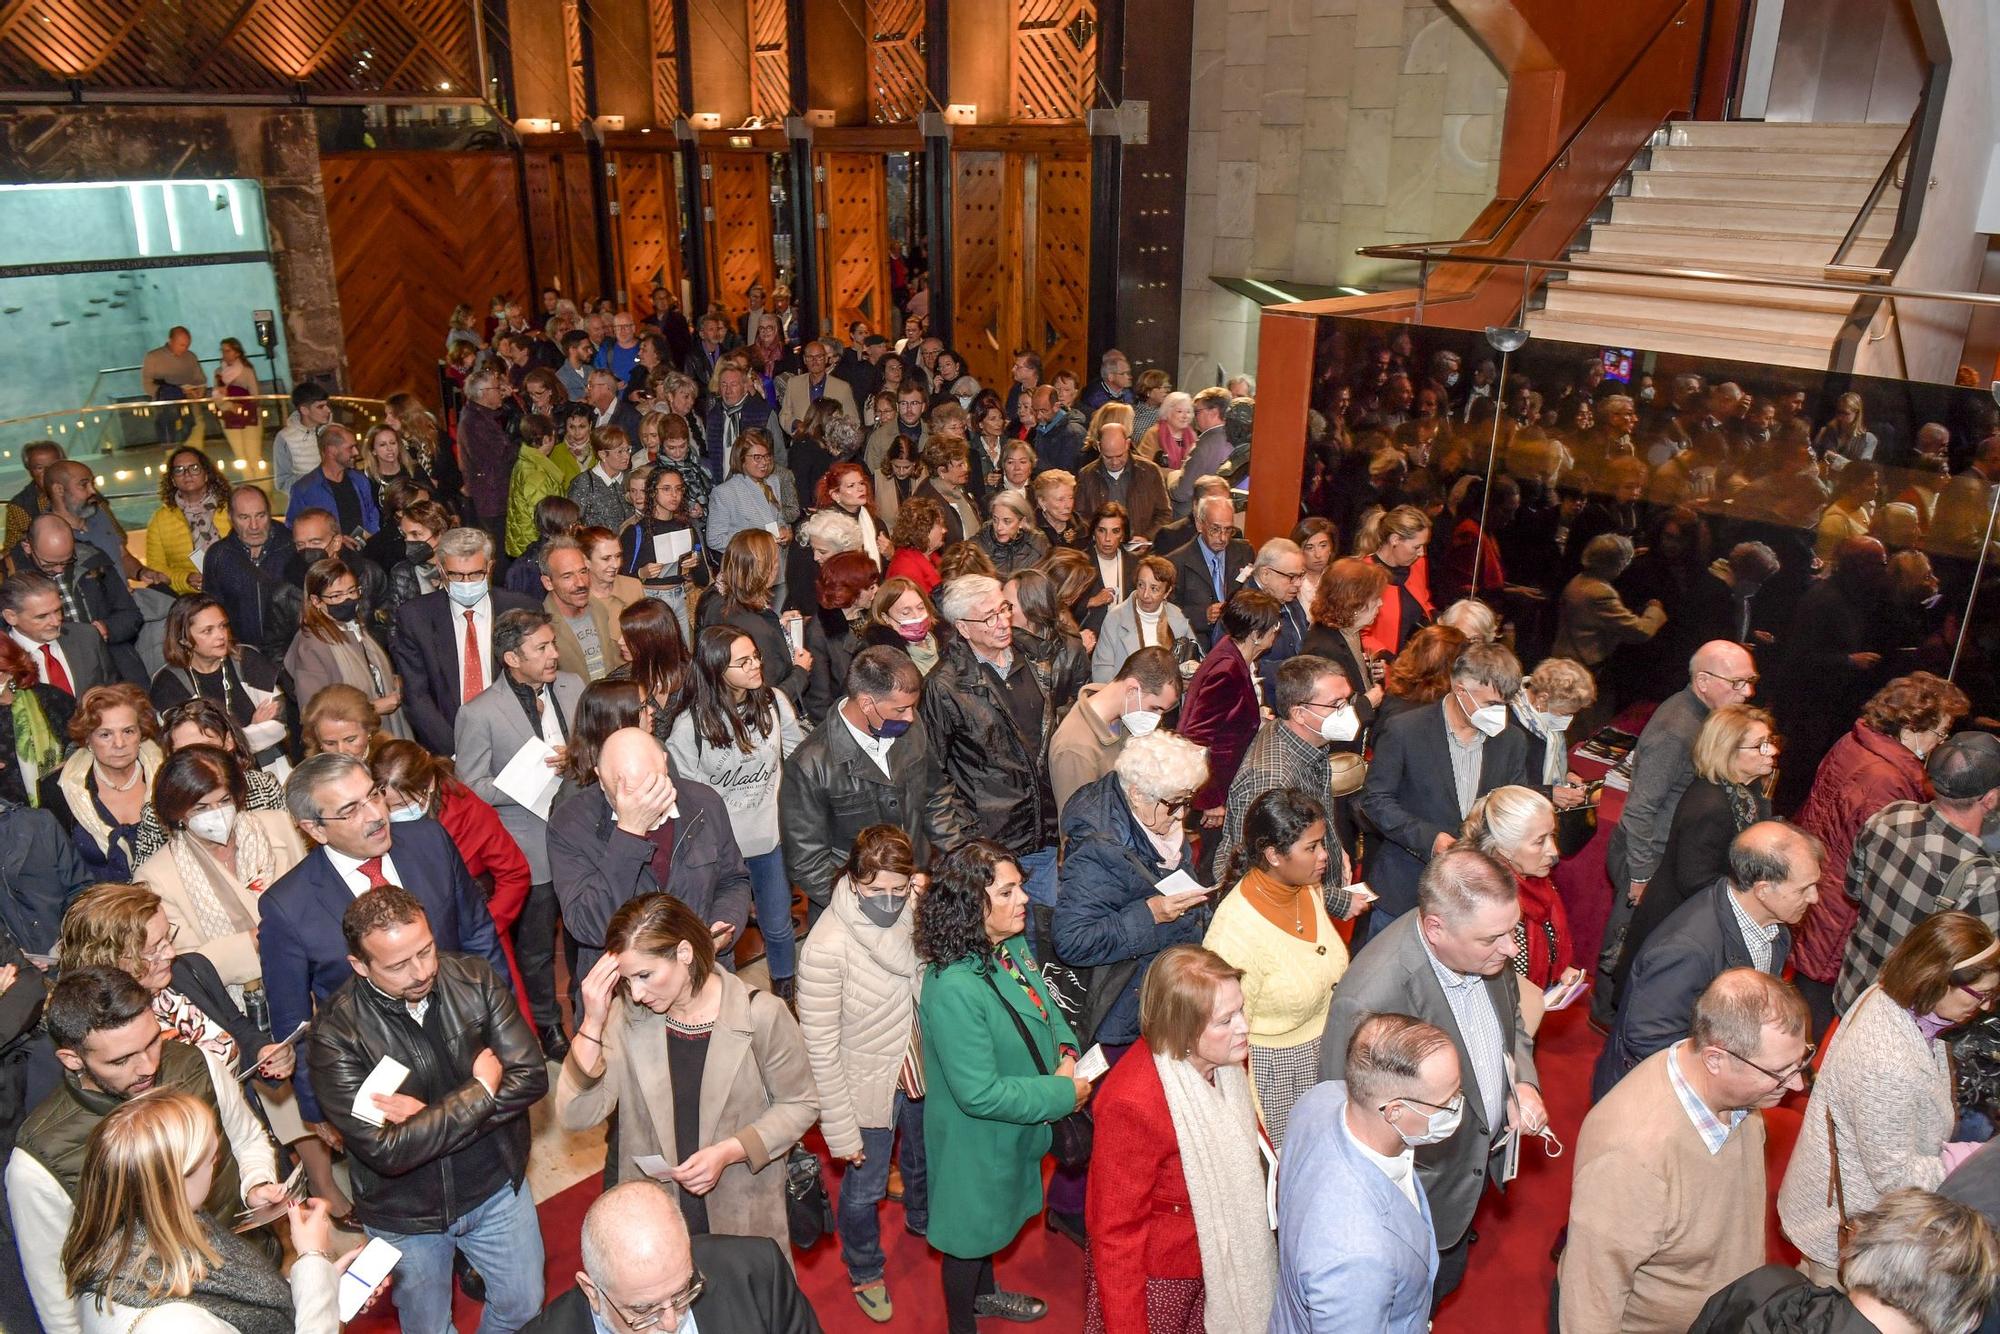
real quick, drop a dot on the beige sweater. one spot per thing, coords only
(857, 997)
(1656, 1222)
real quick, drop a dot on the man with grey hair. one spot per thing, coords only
(1594, 621)
(1450, 964)
(1171, 537)
(1669, 1198)
(1208, 570)
(1356, 1245)
(356, 847)
(443, 640)
(1211, 445)
(487, 449)
(642, 1271)
(1743, 920)
(802, 391)
(1431, 764)
(1280, 570)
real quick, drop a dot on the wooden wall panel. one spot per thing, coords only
(413, 235)
(854, 264)
(1021, 259)
(666, 81)
(579, 103)
(1054, 60)
(770, 74)
(562, 228)
(580, 226)
(646, 225)
(982, 262)
(895, 60)
(1058, 319)
(739, 193)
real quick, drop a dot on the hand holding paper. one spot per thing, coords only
(386, 1077)
(528, 780)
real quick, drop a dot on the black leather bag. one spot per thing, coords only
(1071, 1136)
(808, 1212)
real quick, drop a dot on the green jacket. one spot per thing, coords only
(986, 1111)
(535, 476)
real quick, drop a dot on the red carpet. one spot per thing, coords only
(1506, 1288)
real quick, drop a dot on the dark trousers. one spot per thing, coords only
(535, 954)
(965, 1280)
(1819, 1001)
(1451, 1270)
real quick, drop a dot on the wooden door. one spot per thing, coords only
(646, 226)
(1056, 323)
(1021, 260)
(854, 243)
(739, 198)
(562, 227)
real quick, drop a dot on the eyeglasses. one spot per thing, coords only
(163, 950)
(990, 622)
(1742, 684)
(676, 1306)
(1178, 807)
(354, 808)
(1983, 997)
(1768, 746)
(1803, 1071)
(1333, 706)
(187, 469)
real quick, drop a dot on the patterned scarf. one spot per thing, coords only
(34, 740)
(245, 1291)
(214, 892)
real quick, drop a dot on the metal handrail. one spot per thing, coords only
(1557, 160)
(1443, 255)
(1882, 181)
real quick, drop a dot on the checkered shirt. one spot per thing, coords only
(1902, 859)
(1278, 759)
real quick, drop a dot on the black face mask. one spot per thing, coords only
(344, 612)
(420, 552)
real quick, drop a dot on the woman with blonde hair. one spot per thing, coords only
(332, 648)
(1551, 698)
(1516, 826)
(1396, 539)
(341, 719)
(1009, 538)
(1735, 754)
(385, 457)
(142, 1250)
(1846, 433)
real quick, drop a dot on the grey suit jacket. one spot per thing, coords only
(490, 729)
(1393, 975)
(89, 661)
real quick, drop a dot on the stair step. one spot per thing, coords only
(1863, 166)
(1727, 299)
(1707, 187)
(1688, 341)
(1797, 136)
(1777, 323)
(1755, 219)
(1704, 247)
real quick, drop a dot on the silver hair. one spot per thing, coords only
(1607, 555)
(475, 383)
(831, 528)
(1174, 400)
(1201, 507)
(1012, 500)
(1459, 880)
(957, 599)
(1161, 766)
(311, 775)
(1926, 1257)
(1472, 618)
(1267, 555)
(457, 542)
(1499, 820)
(1566, 682)
(1483, 664)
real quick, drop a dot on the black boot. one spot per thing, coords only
(555, 1046)
(469, 1281)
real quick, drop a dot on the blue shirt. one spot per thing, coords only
(618, 360)
(1215, 568)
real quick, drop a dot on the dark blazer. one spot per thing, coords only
(954, 522)
(598, 866)
(1696, 856)
(1691, 947)
(1293, 626)
(428, 640)
(1393, 974)
(751, 1290)
(89, 660)
(304, 954)
(195, 977)
(263, 605)
(1192, 589)
(1332, 645)
(756, 414)
(1409, 797)
(106, 598)
(40, 873)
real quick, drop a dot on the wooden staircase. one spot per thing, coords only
(1772, 196)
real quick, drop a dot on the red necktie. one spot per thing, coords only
(57, 676)
(371, 870)
(474, 678)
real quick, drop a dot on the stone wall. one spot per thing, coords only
(1316, 127)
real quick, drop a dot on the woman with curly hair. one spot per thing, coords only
(845, 487)
(918, 537)
(999, 1065)
(1421, 673)
(193, 516)
(100, 793)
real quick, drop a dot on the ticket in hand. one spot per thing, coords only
(1092, 1063)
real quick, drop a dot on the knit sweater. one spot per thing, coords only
(746, 782)
(1287, 982)
(1657, 1222)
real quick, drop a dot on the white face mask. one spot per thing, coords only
(1137, 721)
(1440, 1124)
(215, 826)
(1490, 719)
(1341, 724)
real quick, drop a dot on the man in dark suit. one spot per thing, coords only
(1280, 570)
(1171, 537)
(638, 829)
(1431, 764)
(640, 1265)
(93, 590)
(608, 406)
(1108, 556)
(246, 572)
(443, 641)
(299, 941)
(730, 413)
(69, 655)
(1449, 963)
(1744, 920)
(1207, 569)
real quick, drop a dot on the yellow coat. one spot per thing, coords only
(170, 544)
(536, 475)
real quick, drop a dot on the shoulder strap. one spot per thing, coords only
(1034, 1052)
(1953, 894)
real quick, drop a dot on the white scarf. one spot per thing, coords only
(869, 547)
(1217, 1131)
(207, 880)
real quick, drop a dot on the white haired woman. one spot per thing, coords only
(1009, 538)
(1551, 699)
(1516, 826)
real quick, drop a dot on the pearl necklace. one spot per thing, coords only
(105, 782)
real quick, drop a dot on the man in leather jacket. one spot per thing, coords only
(870, 762)
(440, 1162)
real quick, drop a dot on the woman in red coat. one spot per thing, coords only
(1176, 1207)
(918, 537)
(1880, 760)
(418, 784)
(1395, 539)
(1220, 708)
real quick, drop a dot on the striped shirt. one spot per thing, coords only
(1485, 1041)
(1713, 1130)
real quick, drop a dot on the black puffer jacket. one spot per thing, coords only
(1000, 779)
(1777, 1300)
(421, 1175)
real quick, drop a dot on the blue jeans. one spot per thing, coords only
(1038, 869)
(862, 1188)
(771, 892)
(501, 1238)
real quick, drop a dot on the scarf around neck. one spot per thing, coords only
(1217, 1132)
(245, 1290)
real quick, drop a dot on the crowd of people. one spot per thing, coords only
(773, 735)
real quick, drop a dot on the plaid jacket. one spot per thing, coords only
(1278, 759)
(1902, 859)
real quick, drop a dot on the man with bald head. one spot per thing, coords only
(93, 590)
(1743, 920)
(1720, 672)
(640, 828)
(642, 1271)
(802, 391)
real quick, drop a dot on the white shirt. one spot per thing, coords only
(1400, 1169)
(34, 650)
(1112, 571)
(604, 476)
(349, 870)
(876, 749)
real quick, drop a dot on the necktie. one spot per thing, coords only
(473, 677)
(58, 677)
(371, 870)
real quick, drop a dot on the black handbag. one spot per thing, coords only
(1069, 1137)
(808, 1212)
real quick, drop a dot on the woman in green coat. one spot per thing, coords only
(988, 1107)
